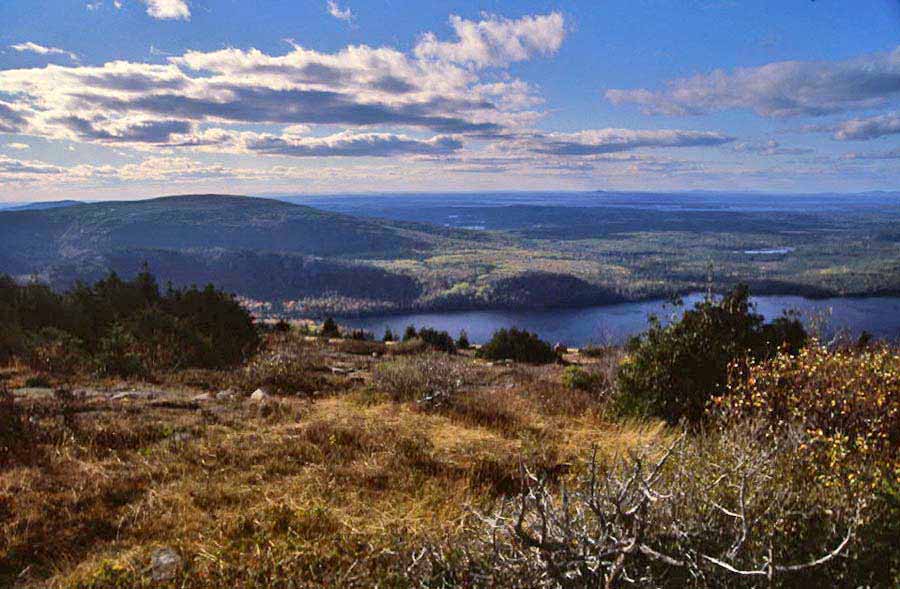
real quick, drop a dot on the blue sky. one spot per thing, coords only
(133, 98)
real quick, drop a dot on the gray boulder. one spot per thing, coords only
(164, 565)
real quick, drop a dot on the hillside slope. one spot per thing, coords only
(259, 248)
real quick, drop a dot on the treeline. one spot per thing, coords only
(118, 327)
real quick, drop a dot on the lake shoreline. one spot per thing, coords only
(615, 324)
(811, 295)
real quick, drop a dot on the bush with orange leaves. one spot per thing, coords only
(847, 400)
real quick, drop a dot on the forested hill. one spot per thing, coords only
(256, 247)
(313, 261)
(198, 221)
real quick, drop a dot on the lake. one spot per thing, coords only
(616, 323)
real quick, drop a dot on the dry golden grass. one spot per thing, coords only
(293, 492)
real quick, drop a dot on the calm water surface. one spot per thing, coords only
(615, 323)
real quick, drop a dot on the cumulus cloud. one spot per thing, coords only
(781, 89)
(344, 14)
(495, 41)
(600, 141)
(168, 9)
(11, 119)
(868, 128)
(10, 167)
(18, 146)
(770, 147)
(356, 145)
(892, 154)
(357, 87)
(29, 47)
(127, 132)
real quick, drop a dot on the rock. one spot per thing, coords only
(181, 438)
(259, 396)
(164, 565)
(226, 395)
(203, 398)
(133, 395)
(559, 349)
(216, 411)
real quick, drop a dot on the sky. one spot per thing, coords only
(125, 99)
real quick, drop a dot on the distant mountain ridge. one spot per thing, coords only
(259, 248)
(36, 206)
(404, 253)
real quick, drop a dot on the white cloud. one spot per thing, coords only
(496, 41)
(168, 9)
(892, 154)
(344, 14)
(29, 47)
(770, 147)
(18, 146)
(868, 128)
(600, 141)
(781, 89)
(351, 144)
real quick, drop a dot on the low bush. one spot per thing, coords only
(292, 372)
(15, 428)
(408, 348)
(118, 354)
(38, 381)
(597, 351)
(431, 380)
(361, 347)
(578, 378)
(462, 342)
(123, 328)
(673, 371)
(437, 340)
(723, 509)
(847, 401)
(517, 345)
(54, 351)
(330, 328)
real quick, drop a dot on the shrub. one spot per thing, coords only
(431, 380)
(462, 342)
(847, 401)
(518, 345)
(330, 328)
(118, 355)
(38, 381)
(577, 378)
(410, 333)
(408, 348)
(688, 516)
(673, 371)
(117, 325)
(388, 335)
(54, 351)
(291, 372)
(15, 428)
(361, 335)
(361, 347)
(437, 340)
(597, 351)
